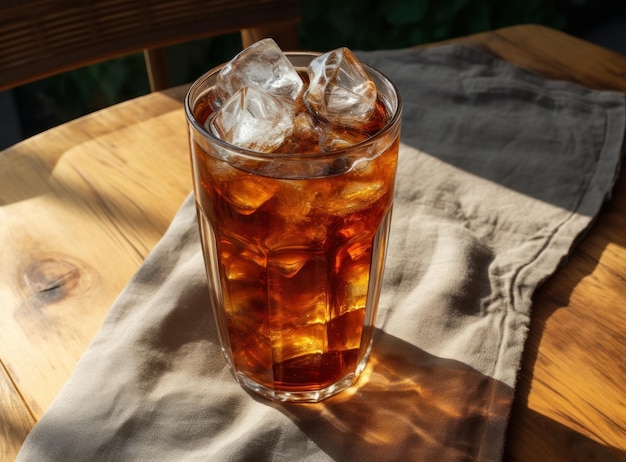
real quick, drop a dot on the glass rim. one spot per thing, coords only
(288, 157)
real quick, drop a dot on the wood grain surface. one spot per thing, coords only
(570, 401)
(81, 206)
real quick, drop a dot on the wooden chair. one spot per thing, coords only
(39, 38)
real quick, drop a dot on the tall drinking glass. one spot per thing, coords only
(294, 246)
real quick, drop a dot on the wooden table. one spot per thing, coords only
(82, 205)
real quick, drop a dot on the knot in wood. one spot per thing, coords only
(51, 280)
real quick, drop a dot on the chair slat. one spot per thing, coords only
(44, 37)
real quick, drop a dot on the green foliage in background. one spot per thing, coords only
(374, 24)
(326, 24)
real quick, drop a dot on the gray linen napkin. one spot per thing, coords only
(500, 172)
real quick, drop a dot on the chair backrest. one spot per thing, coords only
(39, 38)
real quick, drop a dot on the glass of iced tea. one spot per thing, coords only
(294, 214)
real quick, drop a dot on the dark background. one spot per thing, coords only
(326, 24)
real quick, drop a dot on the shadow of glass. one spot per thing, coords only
(410, 405)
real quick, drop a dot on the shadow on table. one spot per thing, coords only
(35, 158)
(410, 405)
(565, 444)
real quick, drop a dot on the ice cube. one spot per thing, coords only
(255, 120)
(340, 90)
(304, 137)
(288, 264)
(356, 195)
(262, 65)
(338, 138)
(247, 193)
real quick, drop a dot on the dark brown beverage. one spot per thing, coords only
(294, 244)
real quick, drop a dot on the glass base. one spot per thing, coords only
(303, 396)
(296, 396)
